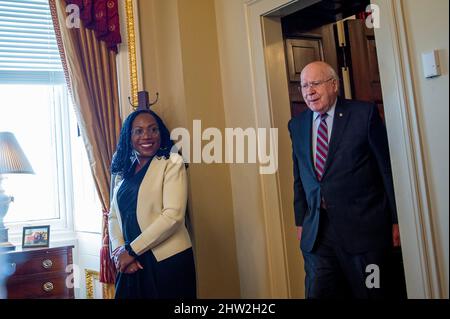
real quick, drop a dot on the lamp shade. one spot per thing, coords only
(12, 158)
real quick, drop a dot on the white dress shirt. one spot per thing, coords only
(316, 123)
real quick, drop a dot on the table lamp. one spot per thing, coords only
(12, 161)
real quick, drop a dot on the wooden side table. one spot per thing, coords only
(40, 273)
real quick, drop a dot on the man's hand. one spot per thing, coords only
(299, 233)
(395, 235)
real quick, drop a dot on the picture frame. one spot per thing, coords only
(94, 288)
(36, 236)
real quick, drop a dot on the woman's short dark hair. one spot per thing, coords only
(121, 162)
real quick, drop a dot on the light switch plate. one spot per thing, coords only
(431, 66)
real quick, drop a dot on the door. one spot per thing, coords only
(364, 63)
(355, 51)
(303, 48)
(367, 87)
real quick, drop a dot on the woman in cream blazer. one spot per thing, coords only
(149, 240)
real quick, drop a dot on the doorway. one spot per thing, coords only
(262, 42)
(312, 33)
(339, 36)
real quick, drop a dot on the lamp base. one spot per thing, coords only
(4, 205)
(4, 243)
(7, 246)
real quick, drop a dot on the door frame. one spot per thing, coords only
(270, 89)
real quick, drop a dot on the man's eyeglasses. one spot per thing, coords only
(313, 84)
(151, 131)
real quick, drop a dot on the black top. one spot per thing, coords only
(127, 201)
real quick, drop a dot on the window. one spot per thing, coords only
(28, 48)
(35, 106)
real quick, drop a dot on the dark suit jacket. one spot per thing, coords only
(357, 183)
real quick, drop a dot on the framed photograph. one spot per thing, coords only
(36, 236)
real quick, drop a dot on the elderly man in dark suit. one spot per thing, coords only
(343, 192)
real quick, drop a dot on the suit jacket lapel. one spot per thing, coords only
(306, 132)
(341, 116)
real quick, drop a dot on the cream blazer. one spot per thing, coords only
(161, 207)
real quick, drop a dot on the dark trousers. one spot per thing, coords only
(332, 273)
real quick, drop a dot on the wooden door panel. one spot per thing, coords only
(364, 64)
(300, 52)
(303, 48)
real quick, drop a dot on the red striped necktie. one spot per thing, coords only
(321, 146)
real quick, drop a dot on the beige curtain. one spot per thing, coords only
(90, 69)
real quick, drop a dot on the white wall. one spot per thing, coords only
(427, 24)
(235, 62)
(170, 66)
(427, 28)
(181, 61)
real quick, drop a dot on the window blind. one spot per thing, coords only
(28, 48)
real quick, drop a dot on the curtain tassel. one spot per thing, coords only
(107, 269)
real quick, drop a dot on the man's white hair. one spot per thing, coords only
(329, 69)
(333, 73)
